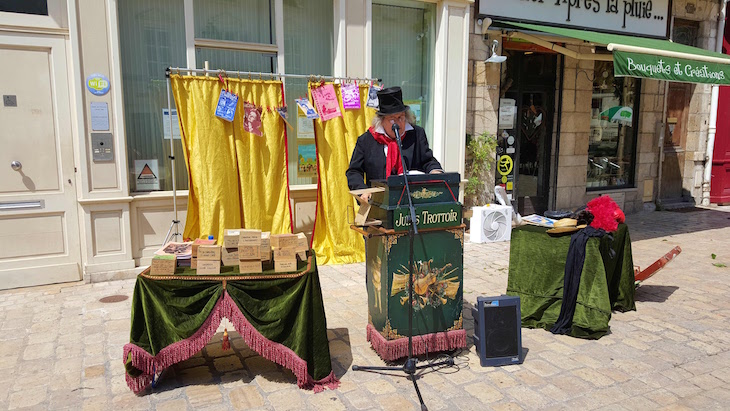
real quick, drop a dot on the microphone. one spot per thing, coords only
(396, 129)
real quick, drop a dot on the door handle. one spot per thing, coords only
(15, 165)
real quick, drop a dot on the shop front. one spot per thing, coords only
(95, 172)
(587, 95)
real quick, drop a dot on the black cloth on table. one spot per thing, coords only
(573, 268)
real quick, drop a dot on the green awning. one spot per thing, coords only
(650, 58)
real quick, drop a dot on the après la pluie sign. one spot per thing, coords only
(644, 18)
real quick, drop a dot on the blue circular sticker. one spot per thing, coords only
(97, 84)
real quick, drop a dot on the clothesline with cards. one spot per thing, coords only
(261, 75)
(325, 98)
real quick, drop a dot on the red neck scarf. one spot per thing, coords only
(393, 159)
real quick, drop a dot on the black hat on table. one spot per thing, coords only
(391, 101)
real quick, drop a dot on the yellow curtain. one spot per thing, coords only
(333, 240)
(236, 178)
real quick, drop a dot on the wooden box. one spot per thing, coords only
(250, 266)
(229, 256)
(163, 265)
(209, 253)
(209, 267)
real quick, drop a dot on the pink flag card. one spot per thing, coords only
(326, 101)
(252, 119)
(350, 96)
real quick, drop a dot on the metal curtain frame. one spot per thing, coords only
(174, 232)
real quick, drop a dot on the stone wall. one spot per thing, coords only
(482, 88)
(570, 190)
(706, 13)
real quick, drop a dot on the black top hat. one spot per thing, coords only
(391, 101)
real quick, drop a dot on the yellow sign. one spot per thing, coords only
(504, 179)
(509, 185)
(504, 165)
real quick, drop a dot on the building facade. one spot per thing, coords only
(580, 131)
(85, 109)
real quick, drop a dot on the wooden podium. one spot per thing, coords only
(438, 275)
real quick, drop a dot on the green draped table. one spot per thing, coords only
(279, 315)
(537, 270)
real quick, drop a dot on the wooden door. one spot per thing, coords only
(39, 230)
(674, 141)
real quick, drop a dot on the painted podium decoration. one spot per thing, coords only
(437, 292)
(438, 255)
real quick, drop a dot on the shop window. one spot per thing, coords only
(37, 7)
(236, 60)
(151, 38)
(612, 144)
(249, 21)
(236, 36)
(308, 49)
(402, 53)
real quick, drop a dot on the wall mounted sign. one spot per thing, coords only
(669, 68)
(97, 84)
(644, 18)
(99, 116)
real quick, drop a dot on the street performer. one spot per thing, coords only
(376, 155)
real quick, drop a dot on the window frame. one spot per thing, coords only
(631, 181)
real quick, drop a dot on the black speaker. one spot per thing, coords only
(498, 330)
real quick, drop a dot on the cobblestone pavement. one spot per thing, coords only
(61, 348)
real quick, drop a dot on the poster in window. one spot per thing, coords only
(305, 126)
(415, 106)
(146, 173)
(166, 124)
(306, 160)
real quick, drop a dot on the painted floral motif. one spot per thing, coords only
(431, 286)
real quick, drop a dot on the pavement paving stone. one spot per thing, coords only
(61, 347)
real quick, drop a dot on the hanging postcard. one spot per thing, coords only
(373, 96)
(282, 112)
(226, 108)
(307, 108)
(350, 96)
(252, 119)
(326, 101)
(307, 160)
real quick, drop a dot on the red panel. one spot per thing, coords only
(720, 181)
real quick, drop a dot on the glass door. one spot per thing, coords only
(528, 86)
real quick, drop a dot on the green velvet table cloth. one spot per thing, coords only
(280, 316)
(537, 272)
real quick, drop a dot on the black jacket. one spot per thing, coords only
(368, 158)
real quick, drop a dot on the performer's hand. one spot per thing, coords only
(366, 197)
(436, 171)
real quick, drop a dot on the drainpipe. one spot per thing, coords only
(662, 134)
(713, 110)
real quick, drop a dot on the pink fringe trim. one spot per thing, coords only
(391, 350)
(182, 350)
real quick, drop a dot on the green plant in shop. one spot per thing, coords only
(480, 152)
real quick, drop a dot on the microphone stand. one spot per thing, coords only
(411, 365)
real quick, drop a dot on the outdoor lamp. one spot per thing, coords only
(495, 58)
